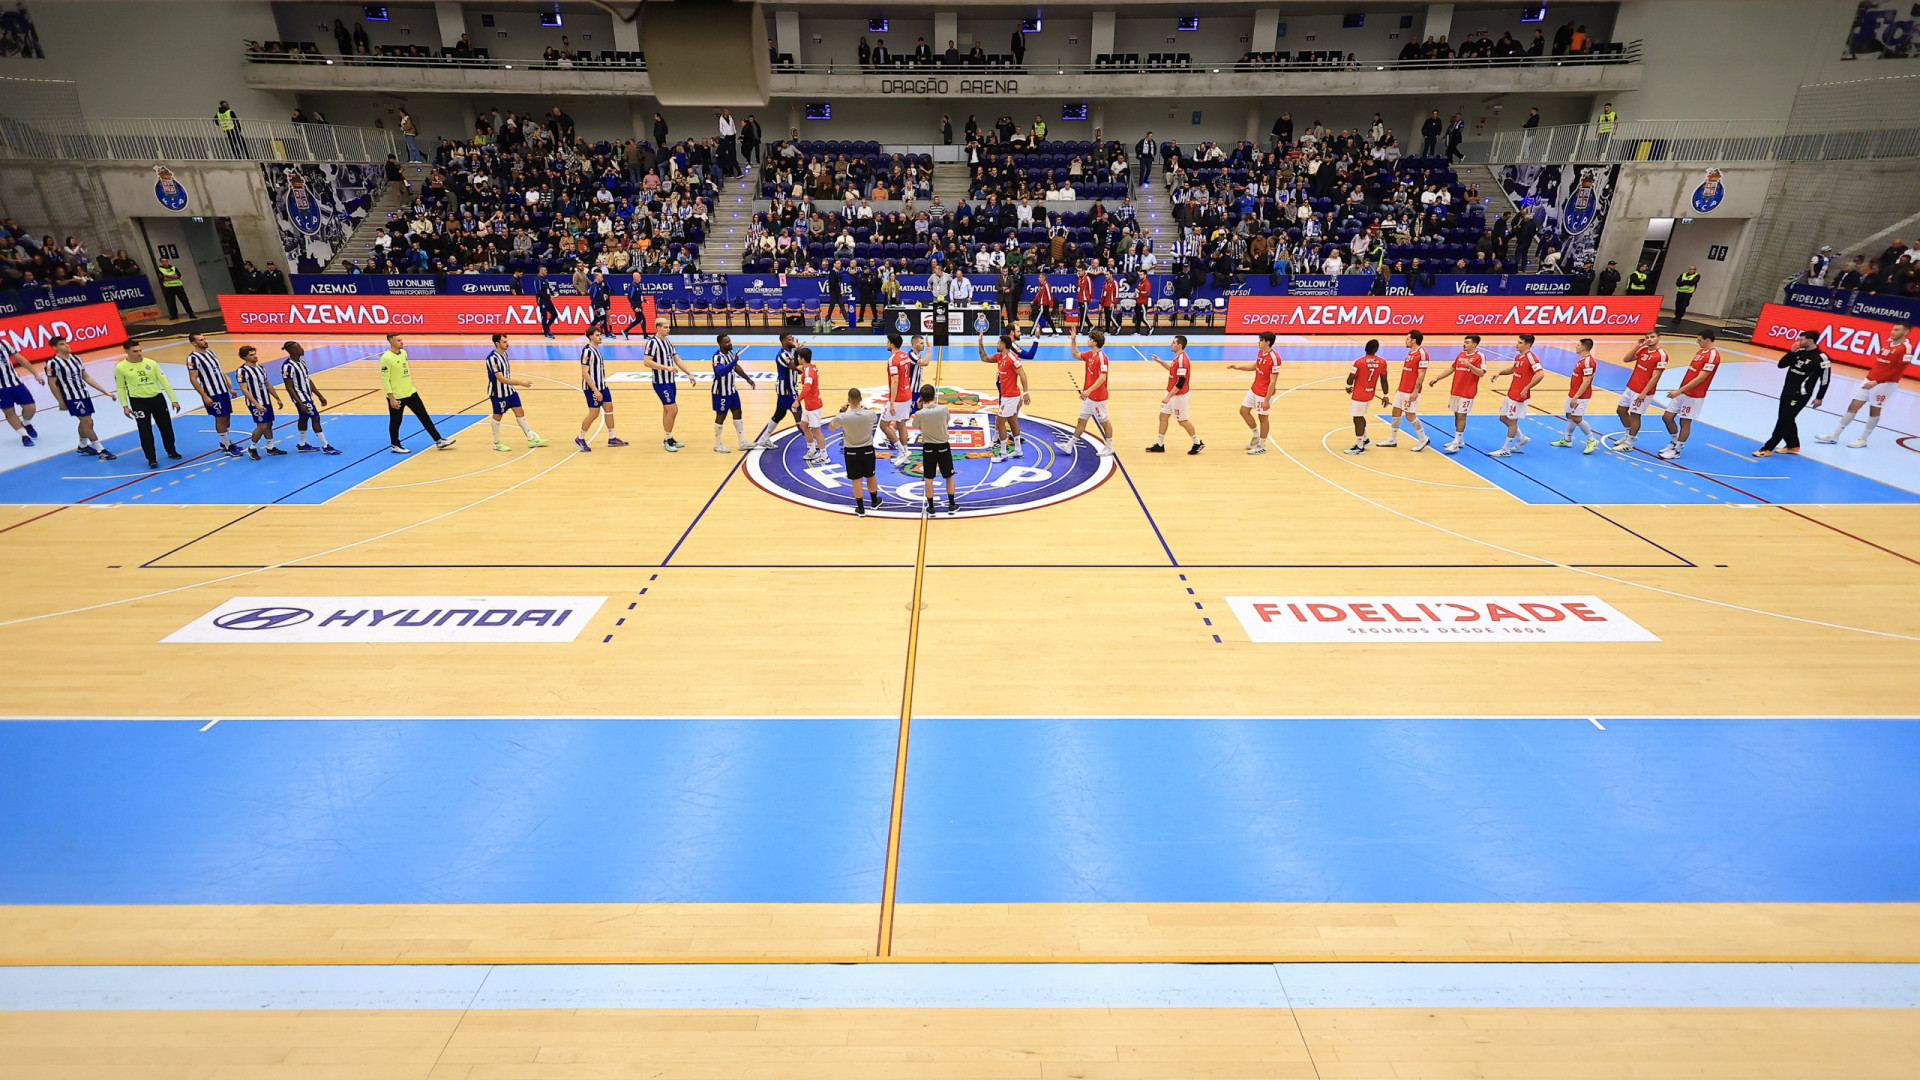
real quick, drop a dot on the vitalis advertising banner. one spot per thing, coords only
(419, 314)
(1845, 338)
(1442, 315)
(1371, 620)
(90, 326)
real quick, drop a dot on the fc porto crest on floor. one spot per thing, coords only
(1042, 475)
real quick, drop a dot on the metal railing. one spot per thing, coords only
(188, 139)
(585, 61)
(1692, 140)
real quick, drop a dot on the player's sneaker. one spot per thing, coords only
(108, 455)
(305, 449)
(234, 450)
(670, 446)
(1196, 447)
(87, 450)
(442, 444)
(1592, 445)
(582, 444)
(535, 440)
(1763, 452)
(26, 440)
(252, 453)
(1523, 440)
(274, 451)
(720, 447)
(1257, 448)
(1421, 443)
(396, 448)
(1568, 441)
(1858, 444)
(1505, 451)
(1788, 450)
(330, 450)
(1157, 448)
(1106, 450)
(503, 448)
(173, 455)
(859, 508)
(616, 442)
(1453, 446)
(33, 431)
(1670, 451)
(1625, 444)
(1827, 437)
(1359, 447)
(677, 444)
(1066, 445)
(1388, 442)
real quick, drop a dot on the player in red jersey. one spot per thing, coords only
(1093, 391)
(1648, 360)
(1465, 371)
(1406, 397)
(809, 412)
(1259, 400)
(1174, 404)
(1368, 371)
(1883, 378)
(1579, 393)
(1011, 379)
(893, 420)
(1687, 399)
(1527, 373)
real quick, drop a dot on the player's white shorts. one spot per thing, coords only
(1093, 410)
(1175, 406)
(1511, 409)
(898, 412)
(810, 418)
(1406, 401)
(1459, 405)
(1577, 406)
(1256, 402)
(1010, 405)
(1635, 403)
(1875, 394)
(1362, 408)
(1686, 408)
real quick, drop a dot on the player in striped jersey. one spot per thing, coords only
(503, 392)
(69, 379)
(261, 398)
(664, 361)
(921, 353)
(593, 383)
(297, 381)
(15, 398)
(786, 381)
(216, 394)
(726, 396)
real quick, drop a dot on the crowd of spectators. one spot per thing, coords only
(1894, 273)
(525, 194)
(27, 262)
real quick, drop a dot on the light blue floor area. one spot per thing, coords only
(1035, 811)
(206, 476)
(997, 811)
(1715, 469)
(316, 812)
(967, 986)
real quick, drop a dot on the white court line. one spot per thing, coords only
(963, 986)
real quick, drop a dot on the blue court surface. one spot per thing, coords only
(206, 476)
(997, 811)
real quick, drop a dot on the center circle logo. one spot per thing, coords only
(265, 618)
(1043, 473)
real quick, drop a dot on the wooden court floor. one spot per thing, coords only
(1761, 611)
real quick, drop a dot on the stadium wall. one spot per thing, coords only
(1650, 190)
(131, 58)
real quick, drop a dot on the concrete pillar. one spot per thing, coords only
(1102, 35)
(946, 27)
(639, 114)
(1266, 30)
(786, 34)
(626, 38)
(1439, 21)
(453, 23)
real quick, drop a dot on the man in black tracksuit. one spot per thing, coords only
(1808, 374)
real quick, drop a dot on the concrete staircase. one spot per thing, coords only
(950, 183)
(732, 220)
(1153, 209)
(358, 246)
(1497, 201)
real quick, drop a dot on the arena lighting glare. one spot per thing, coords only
(1533, 13)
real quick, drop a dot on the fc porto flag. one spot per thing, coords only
(1583, 206)
(302, 209)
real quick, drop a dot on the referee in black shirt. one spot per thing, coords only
(1808, 374)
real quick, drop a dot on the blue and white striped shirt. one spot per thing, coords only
(660, 351)
(253, 382)
(917, 370)
(203, 363)
(69, 373)
(593, 374)
(9, 378)
(498, 370)
(786, 375)
(295, 379)
(725, 365)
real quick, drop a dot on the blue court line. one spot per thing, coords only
(1682, 559)
(739, 460)
(1157, 534)
(1410, 811)
(963, 986)
(445, 811)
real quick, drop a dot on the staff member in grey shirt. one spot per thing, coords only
(856, 423)
(936, 452)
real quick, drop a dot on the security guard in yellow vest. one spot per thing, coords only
(1683, 290)
(174, 288)
(229, 122)
(1604, 128)
(1639, 283)
(1039, 130)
